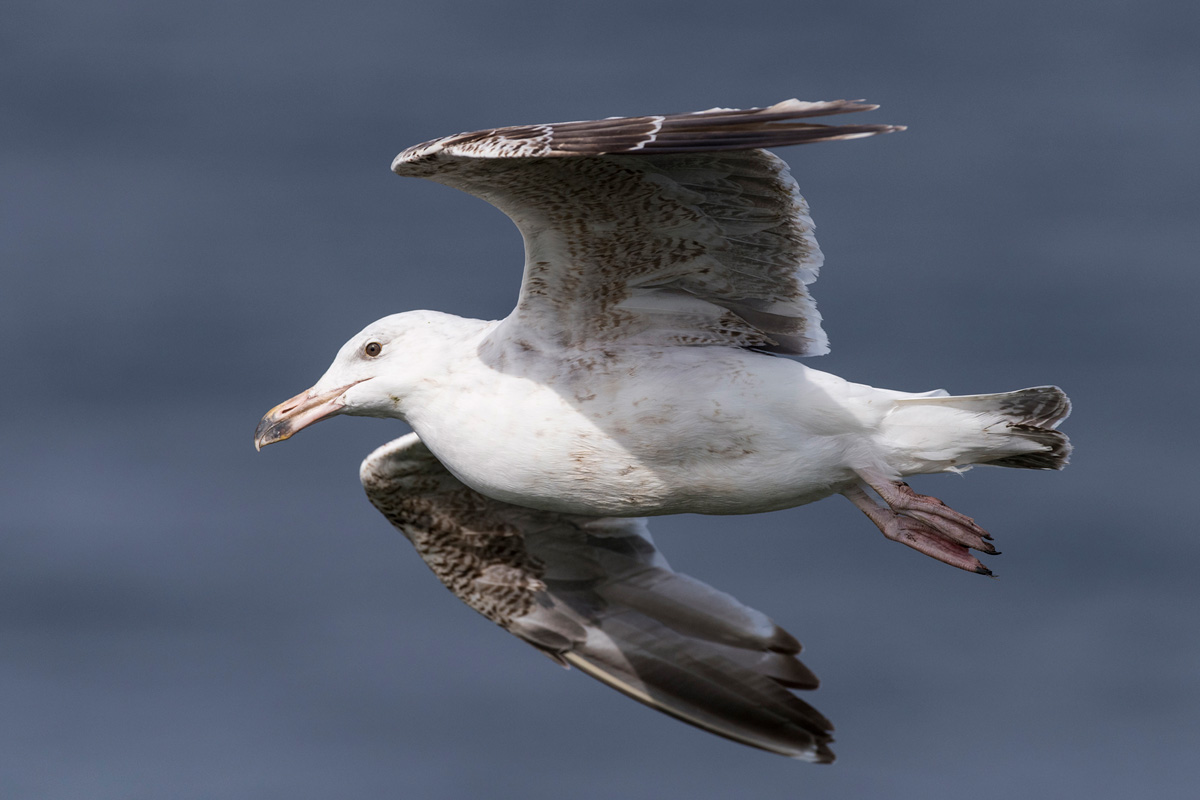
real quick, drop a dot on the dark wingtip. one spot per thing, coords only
(824, 754)
(783, 642)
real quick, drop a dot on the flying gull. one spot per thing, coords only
(644, 372)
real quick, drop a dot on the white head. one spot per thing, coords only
(371, 375)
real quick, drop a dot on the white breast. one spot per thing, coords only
(643, 432)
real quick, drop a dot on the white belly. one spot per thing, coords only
(721, 432)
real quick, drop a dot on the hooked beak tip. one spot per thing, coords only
(290, 416)
(273, 427)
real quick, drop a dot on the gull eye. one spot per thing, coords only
(373, 349)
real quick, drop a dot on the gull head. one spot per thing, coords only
(369, 377)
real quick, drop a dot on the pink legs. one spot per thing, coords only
(923, 523)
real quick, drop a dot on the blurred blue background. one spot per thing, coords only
(196, 211)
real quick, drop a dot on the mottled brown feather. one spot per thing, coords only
(659, 230)
(596, 593)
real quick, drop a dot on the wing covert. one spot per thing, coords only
(595, 593)
(671, 230)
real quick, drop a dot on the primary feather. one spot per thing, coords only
(595, 593)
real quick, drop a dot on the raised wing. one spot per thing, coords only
(595, 593)
(661, 230)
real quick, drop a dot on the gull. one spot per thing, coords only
(647, 370)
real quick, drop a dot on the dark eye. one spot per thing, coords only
(373, 349)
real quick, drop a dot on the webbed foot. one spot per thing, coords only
(924, 523)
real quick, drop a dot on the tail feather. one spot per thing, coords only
(1055, 456)
(1038, 407)
(1012, 429)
